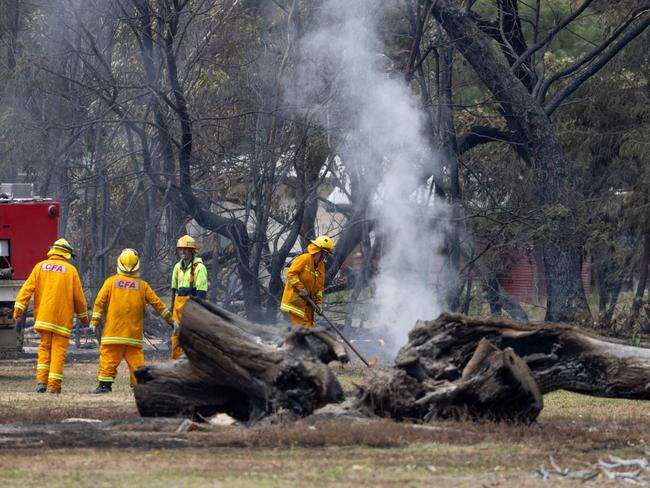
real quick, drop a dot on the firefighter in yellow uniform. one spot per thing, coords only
(189, 278)
(123, 297)
(58, 296)
(306, 280)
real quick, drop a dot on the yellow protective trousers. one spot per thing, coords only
(110, 357)
(177, 350)
(307, 322)
(179, 303)
(52, 351)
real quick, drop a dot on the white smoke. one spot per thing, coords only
(343, 79)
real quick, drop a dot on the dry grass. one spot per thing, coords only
(421, 465)
(18, 402)
(573, 428)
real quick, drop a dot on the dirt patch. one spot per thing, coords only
(46, 415)
(553, 434)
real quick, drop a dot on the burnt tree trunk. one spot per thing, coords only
(452, 367)
(494, 385)
(498, 369)
(538, 144)
(233, 366)
(643, 277)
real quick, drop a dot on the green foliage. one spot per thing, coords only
(556, 212)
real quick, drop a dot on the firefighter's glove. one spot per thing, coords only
(84, 320)
(318, 308)
(176, 329)
(303, 293)
(18, 313)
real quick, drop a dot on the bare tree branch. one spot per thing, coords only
(593, 69)
(550, 35)
(478, 135)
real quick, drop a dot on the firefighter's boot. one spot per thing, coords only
(41, 388)
(104, 387)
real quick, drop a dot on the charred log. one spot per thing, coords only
(495, 385)
(452, 367)
(498, 369)
(235, 367)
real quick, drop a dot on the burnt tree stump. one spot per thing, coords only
(236, 367)
(459, 366)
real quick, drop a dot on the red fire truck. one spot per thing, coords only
(28, 225)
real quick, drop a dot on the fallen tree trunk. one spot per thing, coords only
(452, 367)
(236, 367)
(498, 369)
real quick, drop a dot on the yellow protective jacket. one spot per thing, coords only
(303, 274)
(57, 294)
(124, 299)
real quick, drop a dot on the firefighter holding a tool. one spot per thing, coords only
(58, 296)
(303, 291)
(189, 278)
(122, 299)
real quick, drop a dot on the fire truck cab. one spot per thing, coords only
(28, 225)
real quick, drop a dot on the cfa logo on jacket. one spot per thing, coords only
(127, 285)
(56, 268)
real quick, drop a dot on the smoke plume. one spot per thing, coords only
(345, 81)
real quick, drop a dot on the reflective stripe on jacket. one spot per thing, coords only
(303, 274)
(124, 298)
(190, 280)
(57, 294)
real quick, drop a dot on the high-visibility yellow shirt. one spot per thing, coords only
(58, 295)
(190, 280)
(123, 298)
(303, 274)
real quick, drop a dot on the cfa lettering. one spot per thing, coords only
(127, 285)
(56, 268)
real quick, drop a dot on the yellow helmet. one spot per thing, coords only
(128, 262)
(324, 242)
(186, 242)
(62, 248)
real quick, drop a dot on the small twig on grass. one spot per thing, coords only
(601, 468)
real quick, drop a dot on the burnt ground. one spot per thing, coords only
(574, 429)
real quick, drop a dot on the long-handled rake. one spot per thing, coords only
(370, 364)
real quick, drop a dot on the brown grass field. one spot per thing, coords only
(38, 449)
